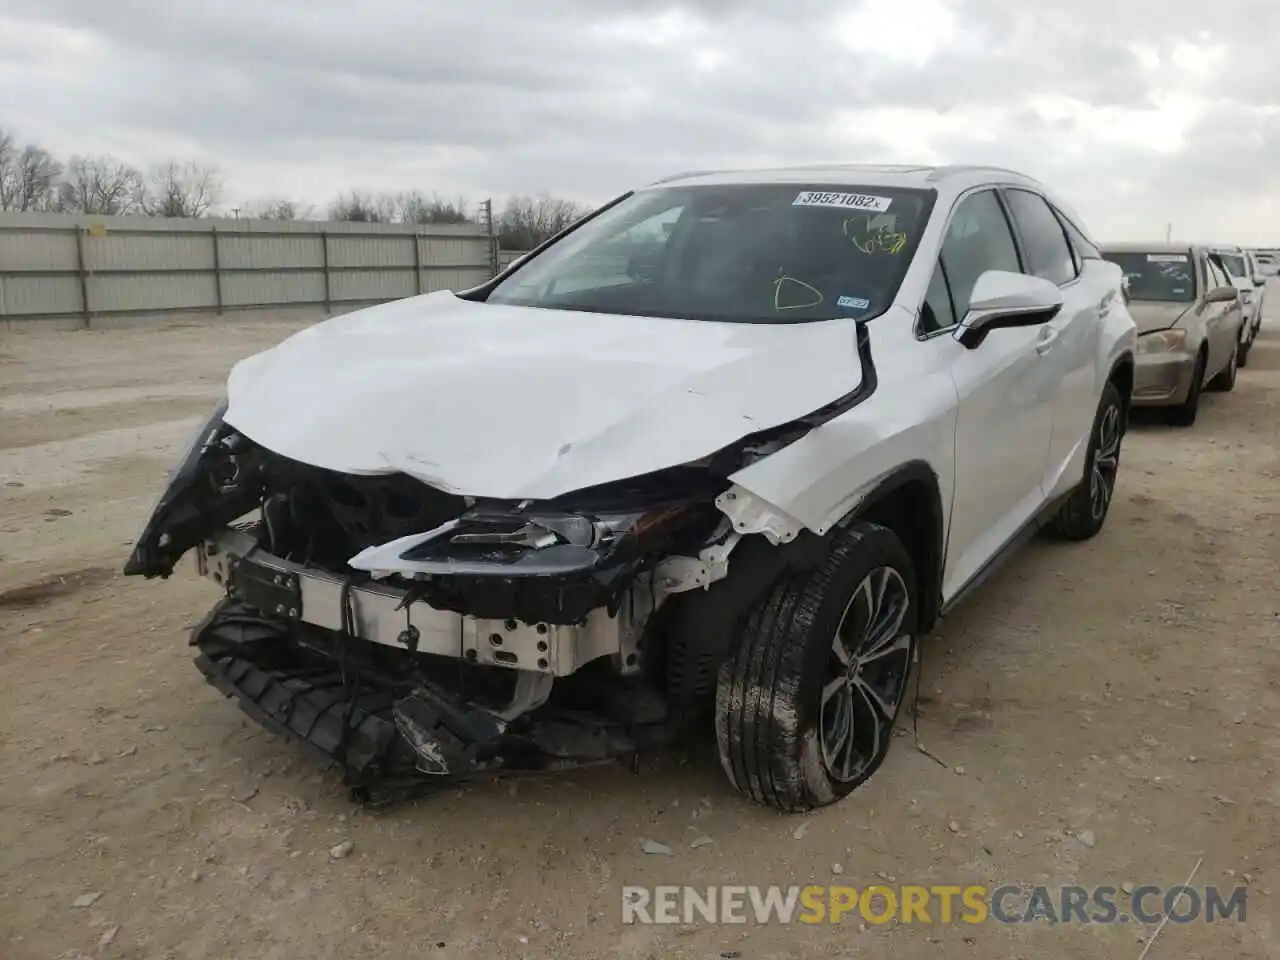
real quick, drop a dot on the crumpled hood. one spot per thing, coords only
(1151, 315)
(518, 402)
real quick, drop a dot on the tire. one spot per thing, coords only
(1225, 381)
(770, 703)
(1242, 360)
(1184, 415)
(1084, 513)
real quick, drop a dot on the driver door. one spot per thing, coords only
(1004, 415)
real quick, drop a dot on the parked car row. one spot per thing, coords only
(729, 445)
(1198, 307)
(1268, 261)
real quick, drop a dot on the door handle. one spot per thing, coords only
(1048, 337)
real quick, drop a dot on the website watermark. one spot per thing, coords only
(938, 903)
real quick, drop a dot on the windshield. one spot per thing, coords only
(1168, 277)
(780, 253)
(1234, 264)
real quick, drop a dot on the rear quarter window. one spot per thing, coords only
(1048, 254)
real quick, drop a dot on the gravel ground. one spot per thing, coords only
(1124, 691)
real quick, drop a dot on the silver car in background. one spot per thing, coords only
(1268, 261)
(1247, 277)
(1189, 319)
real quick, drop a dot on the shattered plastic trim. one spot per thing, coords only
(751, 514)
(679, 574)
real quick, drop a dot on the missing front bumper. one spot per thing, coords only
(293, 592)
(401, 737)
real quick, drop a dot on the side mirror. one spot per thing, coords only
(1222, 294)
(1004, 299)
(1259, 281)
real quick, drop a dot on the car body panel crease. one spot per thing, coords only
(524, 403)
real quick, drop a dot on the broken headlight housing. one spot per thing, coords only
(203, 492)
(524, 542)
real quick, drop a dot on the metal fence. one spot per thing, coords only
(85, 267)
(506, 256)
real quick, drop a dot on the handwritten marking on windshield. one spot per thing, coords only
(870, 234)
(1174, 272)
(781, 282)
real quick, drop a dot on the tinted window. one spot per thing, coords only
(938, 312)
(978, 239)
(1165, 277)
(1076, 261)
(1084, 247)
(1047, 252)
(746, 253)
(1234, 264)
(1206, 274)
(1217, 274)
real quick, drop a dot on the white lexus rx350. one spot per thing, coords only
(732, 443)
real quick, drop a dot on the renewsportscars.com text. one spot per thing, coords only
(819, 904)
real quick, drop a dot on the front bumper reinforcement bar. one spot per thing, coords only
(296, 592)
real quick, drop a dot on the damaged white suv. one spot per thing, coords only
(734, 441)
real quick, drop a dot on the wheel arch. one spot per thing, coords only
(908, 501)
(695, 628)
(1121, 375)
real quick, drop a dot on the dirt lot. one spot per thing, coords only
(1126, 690)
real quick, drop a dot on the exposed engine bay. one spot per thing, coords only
(415, 637)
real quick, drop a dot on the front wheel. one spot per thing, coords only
(1083, 515)
(1225, 381)
(807, 697)
(1185, 414)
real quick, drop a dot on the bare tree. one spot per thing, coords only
(183, 190)
(32, 179)
(38, 174)
(414, 207)
(28, 176)
(282, 209)
(358, 207)
(8, 162)
(101, 185)
(526, 222)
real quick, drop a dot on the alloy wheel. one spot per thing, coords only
(1106, 463)
(866, 675)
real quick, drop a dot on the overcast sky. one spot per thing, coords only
(1142, 112)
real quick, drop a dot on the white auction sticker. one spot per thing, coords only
(845, 201)
(1166, 258)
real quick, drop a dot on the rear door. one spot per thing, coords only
(1069, 344)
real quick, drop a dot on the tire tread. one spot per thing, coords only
(760, 676)
(1074, 520)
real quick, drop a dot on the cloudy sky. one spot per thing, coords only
(1142, 112)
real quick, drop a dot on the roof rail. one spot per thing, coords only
(952, 168)
(685, 175)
